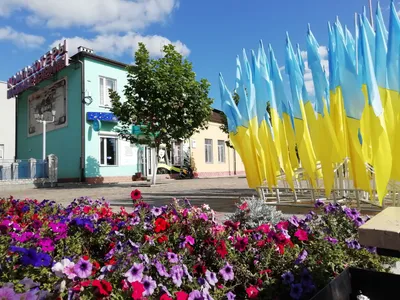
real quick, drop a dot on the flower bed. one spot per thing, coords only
(85, 251)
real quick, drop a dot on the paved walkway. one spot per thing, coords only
(220, 193)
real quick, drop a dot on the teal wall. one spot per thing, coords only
(93, 70)
(64, 142)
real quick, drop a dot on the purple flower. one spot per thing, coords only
(46, 244)
(296, 291)
(319, 203)
(156, 211)
(149, 285)
(294, 221)
(7, 293)
(227, 272)
(195, 295)
(329, 208)
(351, 213)
(135, 247)
(177, 274)
(306, 278)
(83, 268)
(358, 221)
(172, 257)
(257, 236)
(302, 257)
(371, 249)
(135, 273)
(230, 296)
(331, 240)
(211, 277)
(287, 277)
(201, 281)
(135, 221)
(161, 269)
(31, 257)
(353, 244)
(186, 271)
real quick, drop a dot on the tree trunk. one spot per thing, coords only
(155, 165)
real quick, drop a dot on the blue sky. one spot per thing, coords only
(210, 32)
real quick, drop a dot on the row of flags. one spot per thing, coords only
(354, 115)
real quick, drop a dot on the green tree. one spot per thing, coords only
(164, 98)
(224, 126)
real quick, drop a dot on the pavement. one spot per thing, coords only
(220, 194)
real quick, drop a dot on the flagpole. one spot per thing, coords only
(356, 38)
(371, 14)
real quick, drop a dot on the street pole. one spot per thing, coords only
(44, 140)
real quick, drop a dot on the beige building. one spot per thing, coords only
(7, 125)
(211, 157)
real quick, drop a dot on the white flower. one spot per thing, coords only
(59, 267)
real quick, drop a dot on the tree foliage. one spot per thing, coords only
(163, 97)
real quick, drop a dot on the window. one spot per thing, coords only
(221, 151)
(105, 85)
(2, 151)
(108, 151)
(208, 151)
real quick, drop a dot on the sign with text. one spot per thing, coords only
(48, 65)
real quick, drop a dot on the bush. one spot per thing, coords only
(252, 212)
(85, 251)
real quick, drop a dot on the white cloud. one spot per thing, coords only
(20, 39)
(117, 45)
(98, 15)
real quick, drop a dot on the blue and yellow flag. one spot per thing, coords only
(303, 137)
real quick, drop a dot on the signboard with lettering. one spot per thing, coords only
(43, 102)
(48, 65)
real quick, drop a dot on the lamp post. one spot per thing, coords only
(40, 119)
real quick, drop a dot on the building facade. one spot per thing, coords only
(84, 133)
(7, 125)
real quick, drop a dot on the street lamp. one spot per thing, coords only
(40, 119)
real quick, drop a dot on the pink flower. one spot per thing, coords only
(190, 240)
(241, 243)
(301, 234)
(203, 216)
(46, 244)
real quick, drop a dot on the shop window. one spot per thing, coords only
(208, 148)
(108, 151)
(106, 84)
(1, 151)
(221, 151)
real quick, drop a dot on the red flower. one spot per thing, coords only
(181, 295)
(252, 292)
(259, 282)
(241, 243)
(138, 290)
(125, 285)
(244, 206)
(199, 269)
(162, 239)
(221, 249)
(301, 234)
(96, 267)
(103, 286)
(86, 209)
(160, 225)
(136, 195)
(283, 225)
(264, 228)
(165, 297)
(267, 271)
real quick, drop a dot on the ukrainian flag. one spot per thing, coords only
(303, 138)
(381, 154)
(281, 122)
(328, 149)
(354, 104)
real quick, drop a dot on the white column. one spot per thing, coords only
(44, 140)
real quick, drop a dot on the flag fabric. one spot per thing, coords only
(303, 137)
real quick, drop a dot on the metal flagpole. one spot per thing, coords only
(356, 38)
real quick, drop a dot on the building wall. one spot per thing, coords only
(214, 169)
(7, 124)
(94, 172)
(64, 142)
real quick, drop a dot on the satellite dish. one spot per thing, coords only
(96, 125)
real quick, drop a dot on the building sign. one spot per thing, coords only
(43, 102)
(42, 69)
(128, 153)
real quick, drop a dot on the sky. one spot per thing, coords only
(210, 33)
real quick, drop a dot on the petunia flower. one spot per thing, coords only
(296, 291)
(172, 257)
(189, 239)
(181, 295)
(287, 277)
(230, 296)
(7, 293)
(135, 273)
(301, 234)
(211, 277)
(138, 290)
(252, 292)
(103, 287)
(59, 268)
(149, 285)
(162, 271)
(302, 257)
(83, 268)
(176, 275)
(46, 244)
(227, 272)
(156, 211)
(136, 195)
(195, 295)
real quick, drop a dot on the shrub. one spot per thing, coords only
(86, 251)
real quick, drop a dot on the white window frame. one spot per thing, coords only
(109, 136)
(103, 91)
(221, 151)
(2, 151)
(211, 161)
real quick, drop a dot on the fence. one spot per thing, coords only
(29, 170)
